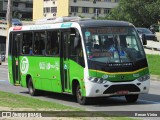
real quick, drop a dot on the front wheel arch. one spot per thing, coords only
(77, 92)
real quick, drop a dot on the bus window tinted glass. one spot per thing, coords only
(52, 46)
(27, 43)
(39, 43)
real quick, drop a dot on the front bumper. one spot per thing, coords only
(115, 88)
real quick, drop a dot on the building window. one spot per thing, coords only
(74, 9)
(47, 10)
(15, 4)
(116, 0)
(107, 0)
(98, 0)
(97, 10)
(106, 10)
(46, 0)
(29, 6)
(85, 10)
(53, 9)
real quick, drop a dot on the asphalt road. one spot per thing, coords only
(146, 102)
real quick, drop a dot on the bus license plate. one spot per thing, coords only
(123, 92)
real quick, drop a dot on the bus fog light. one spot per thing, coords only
(144, 88)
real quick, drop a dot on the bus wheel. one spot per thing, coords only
(31, 89)
(131, 98)
(80, 99)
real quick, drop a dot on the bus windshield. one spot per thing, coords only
(113, 44)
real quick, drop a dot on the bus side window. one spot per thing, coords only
(26, 43)
(52, 46)
(39, 43)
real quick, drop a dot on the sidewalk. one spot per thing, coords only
(153, 52)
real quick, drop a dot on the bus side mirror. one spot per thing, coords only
(144, 41)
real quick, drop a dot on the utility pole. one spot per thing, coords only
(9, 24)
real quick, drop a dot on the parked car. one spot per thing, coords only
(16, 22)
(149, 35)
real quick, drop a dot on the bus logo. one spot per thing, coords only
(24, 65)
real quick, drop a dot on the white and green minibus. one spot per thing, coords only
(83, 57)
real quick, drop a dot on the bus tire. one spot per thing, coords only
(131, 98)
(81, 99)
(31, 89)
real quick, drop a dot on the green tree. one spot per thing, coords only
(139, 12)
(16, 14)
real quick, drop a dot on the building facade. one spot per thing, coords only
(83, 8)
(23, 8)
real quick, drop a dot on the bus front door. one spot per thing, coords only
(15, 58)
(65, 73)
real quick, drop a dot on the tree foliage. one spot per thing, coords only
(141, 13)
(16, 14)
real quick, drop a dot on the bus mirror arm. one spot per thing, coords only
(144, 41)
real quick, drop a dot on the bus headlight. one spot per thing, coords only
(97, 80)
(144, 78)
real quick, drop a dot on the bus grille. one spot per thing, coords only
(126, 87)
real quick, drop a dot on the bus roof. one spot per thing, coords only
(103, 23)
(82, 23)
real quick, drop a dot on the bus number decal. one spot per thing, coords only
(24, 65)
